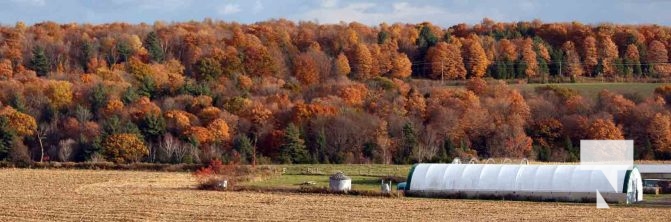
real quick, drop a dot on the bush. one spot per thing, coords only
(212, 176)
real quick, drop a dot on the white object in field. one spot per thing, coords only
(525, 161)
(340, 183)
(385, 187)
(554, 182)
(223, 184)
(456, 161)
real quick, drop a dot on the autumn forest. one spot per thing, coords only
(285, 92)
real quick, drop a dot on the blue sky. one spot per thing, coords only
(445, 13)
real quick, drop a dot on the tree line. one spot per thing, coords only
(285, 92)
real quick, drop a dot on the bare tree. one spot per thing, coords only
(41, 134)
(182, 150)
(65, 148)
(169, 147)
(428, 147)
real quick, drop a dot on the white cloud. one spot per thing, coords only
(528, 6)
(367, 13)
(229, 9)
(38, 3)
(258, 7)
(329, 3)
(167, 5)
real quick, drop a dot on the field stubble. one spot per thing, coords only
(76, 195)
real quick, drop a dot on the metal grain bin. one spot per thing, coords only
(338, 182)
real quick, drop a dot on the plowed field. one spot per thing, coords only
(83, 195)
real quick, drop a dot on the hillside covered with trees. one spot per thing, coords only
(285, 92)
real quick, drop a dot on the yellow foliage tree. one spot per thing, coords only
(124, 148)
(60, 93)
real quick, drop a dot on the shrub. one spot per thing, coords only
(212, 176)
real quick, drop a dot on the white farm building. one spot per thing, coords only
(525, 182)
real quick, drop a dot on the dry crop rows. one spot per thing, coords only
(75, 195)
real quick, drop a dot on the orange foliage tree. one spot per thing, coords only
(609, 55)
(401, 66)
(590, 54)
(342, 65)
(475, 57)
(529, 58)
(446, 61)
(574, 67)
(305, 69)
(659, 132)
(23, 124)
(361, 62)
(603, 129)
(658, 57)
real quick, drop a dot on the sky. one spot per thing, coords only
(372, 12)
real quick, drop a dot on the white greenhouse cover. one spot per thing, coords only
(532, 178)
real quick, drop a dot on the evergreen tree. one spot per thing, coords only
(322, 156)
(443, 152)
(17, 101)
(509, 69)
(88, 147)
(152, 126)
(520, 66)
(39, 63)
(124, 50)
(148, 88)
(243, 145)
(153, 45)
(500, 70)
(409, 143)
(573, 154)
(558, 63)
(6, 138)
(426, 39)
(87, 51)
(382, 37)
(98, 97)
(293, 149)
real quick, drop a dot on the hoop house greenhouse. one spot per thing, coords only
(525, 182)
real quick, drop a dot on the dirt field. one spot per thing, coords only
(76, 195)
